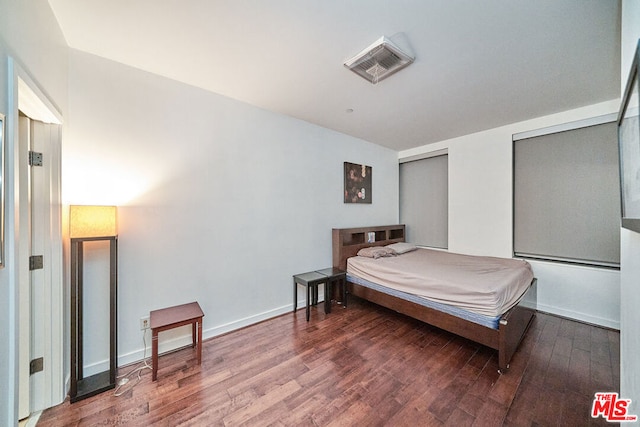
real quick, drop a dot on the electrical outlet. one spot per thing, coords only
(144, 323)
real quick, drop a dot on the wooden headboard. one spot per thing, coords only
(348, 241)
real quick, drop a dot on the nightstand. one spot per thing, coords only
(311, 280)
(337, 277)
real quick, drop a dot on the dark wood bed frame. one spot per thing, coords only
(512, 325)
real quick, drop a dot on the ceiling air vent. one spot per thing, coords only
(379, 61)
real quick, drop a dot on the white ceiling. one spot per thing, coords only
(479, 64)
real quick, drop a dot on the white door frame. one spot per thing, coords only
(24, 94)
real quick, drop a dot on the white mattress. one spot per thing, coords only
(489, 286)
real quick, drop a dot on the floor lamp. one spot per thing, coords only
(88, 224)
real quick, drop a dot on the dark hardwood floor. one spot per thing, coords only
(365, 366)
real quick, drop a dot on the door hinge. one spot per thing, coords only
(36, 365)
(35, 159)
(36, 262)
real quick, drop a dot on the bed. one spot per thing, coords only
(500, 325)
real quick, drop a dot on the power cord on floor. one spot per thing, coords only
(124, 379)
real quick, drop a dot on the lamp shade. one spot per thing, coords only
(92, 221)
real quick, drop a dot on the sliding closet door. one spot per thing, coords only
(424, 201)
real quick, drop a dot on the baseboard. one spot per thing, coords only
(580, 317)
(95, 368)
(32, 421)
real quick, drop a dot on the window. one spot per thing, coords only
(566, 196)
(424, 199)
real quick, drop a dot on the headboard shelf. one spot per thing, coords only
(396, 233)
(348, 241)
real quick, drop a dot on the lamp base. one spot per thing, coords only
(82, 387)
(95, 384)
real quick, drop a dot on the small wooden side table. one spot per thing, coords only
(173, 317)
(311, 280)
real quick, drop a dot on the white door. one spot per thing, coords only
(38, 363)
(24, 283)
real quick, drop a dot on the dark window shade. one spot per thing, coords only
(567, 196)
(424, 200)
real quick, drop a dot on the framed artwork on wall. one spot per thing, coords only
(357, 183)
(629, 149)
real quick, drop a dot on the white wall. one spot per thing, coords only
(8, 296)
(480, 217)
(630, 246)
(219, 201)
(31, 36)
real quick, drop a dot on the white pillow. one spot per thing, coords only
(401, 247)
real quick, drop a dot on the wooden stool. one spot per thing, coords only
(172, 317)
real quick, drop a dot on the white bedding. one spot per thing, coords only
(485, 285)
